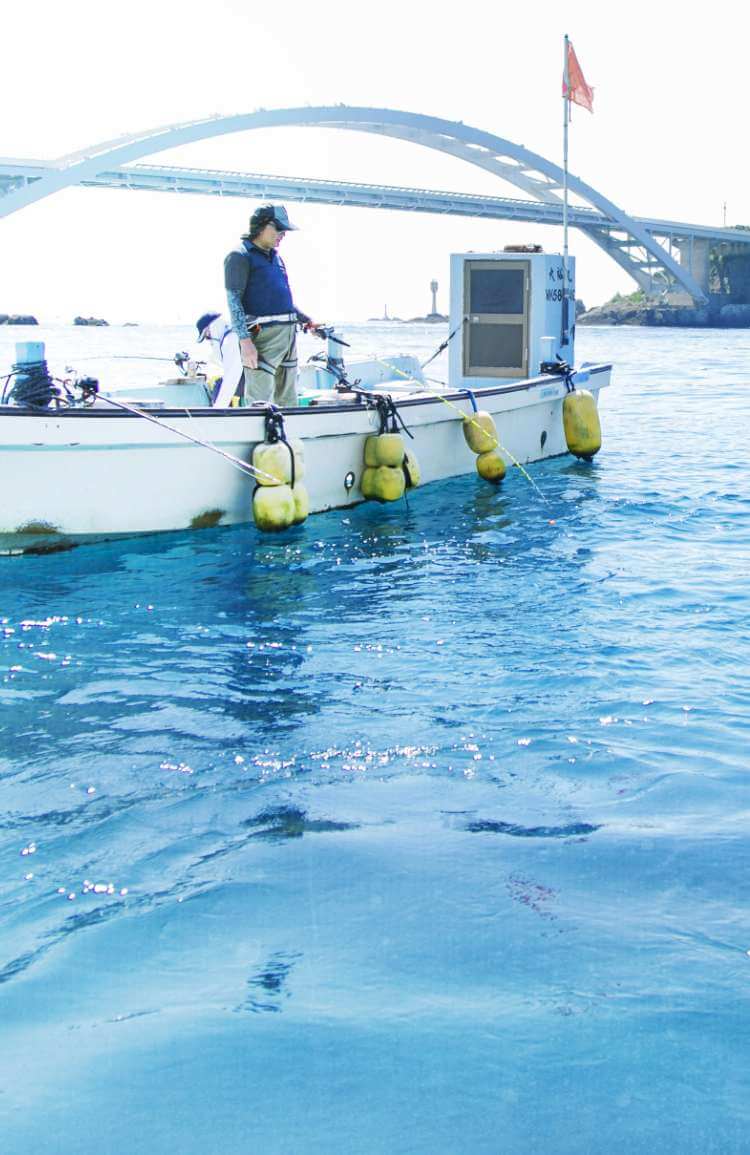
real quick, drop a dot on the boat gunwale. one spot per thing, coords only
(298, 410)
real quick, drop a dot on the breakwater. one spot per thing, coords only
(718, 314)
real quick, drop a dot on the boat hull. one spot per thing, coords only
(93, 473)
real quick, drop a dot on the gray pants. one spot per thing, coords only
(275, 379)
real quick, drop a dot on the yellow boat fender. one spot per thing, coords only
(367, 483)
(384, 449)
(301, 502)
(491, 466)
(389, 468)
(280, 498)
(583, 433)
(480, 432)
(273, 507)
(273, 462)
(383, 483)
(298, 450)
(412, 472)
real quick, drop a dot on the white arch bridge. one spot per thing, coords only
(658, 254)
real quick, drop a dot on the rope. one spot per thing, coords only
(33, 385)
(243, 466)
(560, 368)
(275, 432)
(390, 418)
(445, 343)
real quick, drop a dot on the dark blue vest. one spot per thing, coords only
(267, 291)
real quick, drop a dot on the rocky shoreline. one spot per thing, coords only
(17, 319)
(28, 319)
(714, 315)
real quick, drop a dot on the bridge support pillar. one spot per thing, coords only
(694, 256)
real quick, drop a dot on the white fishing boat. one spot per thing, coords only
(89, 464)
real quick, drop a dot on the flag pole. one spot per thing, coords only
(566, 118)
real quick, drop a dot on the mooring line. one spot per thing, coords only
(243, 466)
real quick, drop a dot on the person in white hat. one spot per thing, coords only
(224, 345)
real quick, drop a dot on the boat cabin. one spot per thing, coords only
(508, 309)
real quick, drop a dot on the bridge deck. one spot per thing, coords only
(259, 186)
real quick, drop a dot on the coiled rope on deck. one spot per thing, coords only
(32, 386)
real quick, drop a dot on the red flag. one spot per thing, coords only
(577, 89)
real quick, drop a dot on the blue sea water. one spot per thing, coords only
(416, 829)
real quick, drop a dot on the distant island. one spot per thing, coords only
(28, 319)
(17, 319)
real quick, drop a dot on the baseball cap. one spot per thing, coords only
(268, 214)
(203, 322)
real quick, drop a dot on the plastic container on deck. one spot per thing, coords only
(29, 352)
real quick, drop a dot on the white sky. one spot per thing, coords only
(666, 138)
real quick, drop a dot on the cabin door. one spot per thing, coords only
(496, 305)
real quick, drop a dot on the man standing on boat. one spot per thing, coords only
(262, 310)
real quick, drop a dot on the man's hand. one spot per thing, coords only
(248, 353)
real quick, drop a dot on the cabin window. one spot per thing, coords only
(496, 298)
(494, 346)
(496, 291)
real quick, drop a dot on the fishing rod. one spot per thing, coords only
(180, 360)
(135, 357)
(326, 333)
(176, 360)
